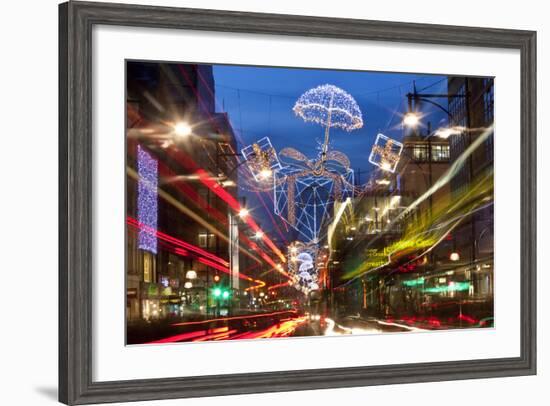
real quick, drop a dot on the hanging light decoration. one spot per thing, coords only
(386, 153)
(329, 106)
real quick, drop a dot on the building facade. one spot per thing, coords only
(177, 245)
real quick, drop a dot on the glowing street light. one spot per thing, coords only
(411, 119)
(191, 274)
(188, 285)
(259, 235)
(265, 173)
(243, 213)
(182, 129)
(454, 256)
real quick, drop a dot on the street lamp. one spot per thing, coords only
(243, 213)
(411, 119)
(454, 256)
(182, 129)
(259, 235)
(191, 274)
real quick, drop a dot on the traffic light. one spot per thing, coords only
(221, 293)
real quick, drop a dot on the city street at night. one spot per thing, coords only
(266, 202)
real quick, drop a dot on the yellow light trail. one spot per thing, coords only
(428, 233)
(337, 217)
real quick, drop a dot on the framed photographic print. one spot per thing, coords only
(256, 202)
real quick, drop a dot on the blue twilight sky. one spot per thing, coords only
(259, 102)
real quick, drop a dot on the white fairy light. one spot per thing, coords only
(331, 106)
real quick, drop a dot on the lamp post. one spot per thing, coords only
(412, 119)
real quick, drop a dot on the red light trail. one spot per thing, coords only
(133, 222)
(282, 328)
(235, 205)
(215, 187)
(250, 316)
(280, 285)
(203, 256)
(260, 197)
(203, 205)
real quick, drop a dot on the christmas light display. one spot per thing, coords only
(305, 189)
(261, 158)
(304, 198)
(385, 153)
(301, 266)
(147, 200)
(329, 106)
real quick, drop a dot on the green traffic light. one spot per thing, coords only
(217, 292)
(225, 294)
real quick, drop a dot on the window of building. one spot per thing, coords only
(420, 153)
(206, 239)
(148, 271)
(457, 107)
(203, 239)
(440, 153)
(211, 241)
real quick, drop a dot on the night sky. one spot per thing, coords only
(259, 102)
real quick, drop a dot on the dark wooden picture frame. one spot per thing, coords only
(76, 20)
